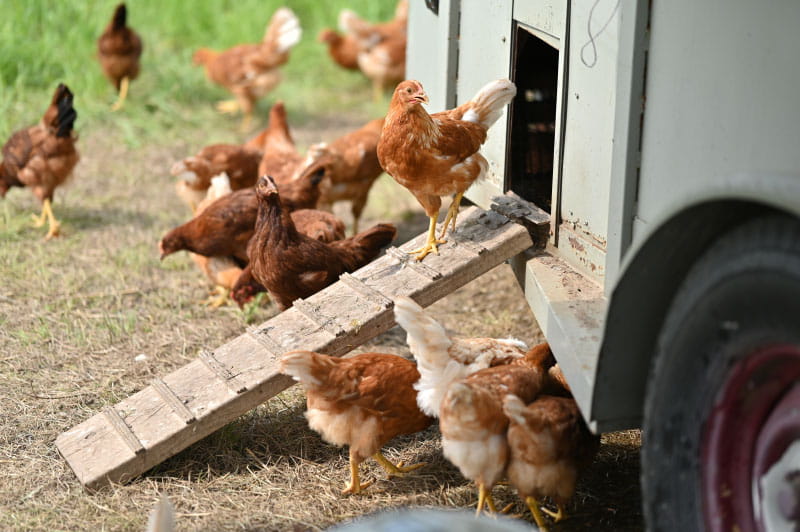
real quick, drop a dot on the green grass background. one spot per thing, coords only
(44, 42)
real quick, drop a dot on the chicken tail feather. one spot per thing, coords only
(367, 244)
(306, 367)
(427, 339)
(487, 105)
(514, 408)
(120, 17)
(65, 113)
(284, 30)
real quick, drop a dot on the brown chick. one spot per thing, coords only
(343, 49)
(437, 155)
(194, 173)
(351, 164)
(249, 71)
(361, 401)
(550, 445)
(119, 49)
(474, 426)
(42, 156)
(382, 54)
(225, 227)
(293, 266)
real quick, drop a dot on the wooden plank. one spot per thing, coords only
(406, 258)
(123, 430)
(367, 293)
(222, 372)
(96, 452)
(315, 316)
(173, 401)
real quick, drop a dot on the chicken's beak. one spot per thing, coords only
(421, 97)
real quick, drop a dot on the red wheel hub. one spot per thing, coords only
(754, 421)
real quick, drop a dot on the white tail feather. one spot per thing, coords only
(426, 338)
(162, 517)
(488, 104)
(297, 364)
(514, 408)
(284, 27)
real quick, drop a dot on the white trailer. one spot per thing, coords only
(663, 139)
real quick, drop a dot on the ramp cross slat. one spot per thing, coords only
(112, 447)
(315, 317)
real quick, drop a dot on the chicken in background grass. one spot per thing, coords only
(119, 49)
(443, 359)
(361, 401)
(351, 164)
(291, 265)
(474, 426)
(342, 48)
(249, 71)
(280, 157)
(42, 156)
(437, 155)
(550, 445)
(194, 173)
(382, 47)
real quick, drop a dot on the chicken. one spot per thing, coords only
(361, 401)
(474, 426)
(119, 49)
(240, 163)
(224, 228)
(382, 53)
(443, 360)
(42, 156)
(249, 71)
(342, 48)
(437, 155)
(222, 272)
(351, 164)
(549, 445)
(291, 265)
(280, 159)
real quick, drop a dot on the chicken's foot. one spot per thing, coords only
(355, 486)
(452, 214)
(393, 470)
(557, 516)
(533, 505)
(228, 106)
(430, 244)
(47, 216)
(221, 298)
(485, 499)
(123, 93)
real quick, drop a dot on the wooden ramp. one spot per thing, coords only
(127, 439)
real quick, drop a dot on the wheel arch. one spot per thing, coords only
(642, 296)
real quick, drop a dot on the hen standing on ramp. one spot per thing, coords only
(437, 155)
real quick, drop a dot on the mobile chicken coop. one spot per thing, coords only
(662, 137)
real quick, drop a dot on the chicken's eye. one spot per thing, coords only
(408, 90)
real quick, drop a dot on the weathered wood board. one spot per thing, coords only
(127, 439)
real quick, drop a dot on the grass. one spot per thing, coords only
(77, 313)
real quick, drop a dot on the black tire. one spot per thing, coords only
(741, 298)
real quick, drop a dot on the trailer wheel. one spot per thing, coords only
(722, 412)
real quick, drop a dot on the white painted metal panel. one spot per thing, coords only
(721, 102)
(589, 128)
(431, 51)
(544, 17)
(484, 54)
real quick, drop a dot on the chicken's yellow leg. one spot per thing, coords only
(221, 298)
(355, 486)
(452, 214)
(123, 93)
(47, 216)
(227, 106)
(430, 244)
(484, 499)
(557, 516)
(393, 470)
(533, 505)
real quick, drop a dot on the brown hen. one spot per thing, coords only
(293, 266)
(343, 49)
(361, 401)
(249, 71)
(118, 49)
(437, 155)
(351, 164)
(42, 156)
(550, 445)
(474, 426)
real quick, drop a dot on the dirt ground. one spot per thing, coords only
(76, 312)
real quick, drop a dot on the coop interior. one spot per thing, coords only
(535, 73)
